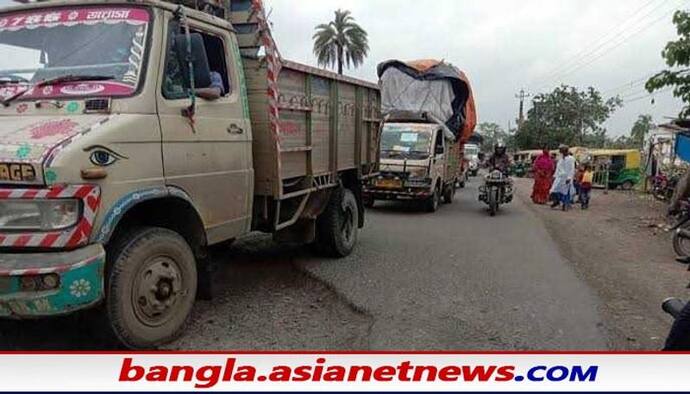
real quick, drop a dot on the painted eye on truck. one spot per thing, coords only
(102, 156)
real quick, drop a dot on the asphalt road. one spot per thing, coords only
(456, 279)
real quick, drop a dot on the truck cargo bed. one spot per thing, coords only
(326, 124)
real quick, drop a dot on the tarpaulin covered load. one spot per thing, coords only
(429, 86)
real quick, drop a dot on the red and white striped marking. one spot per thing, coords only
(273, 63)
(72, 237)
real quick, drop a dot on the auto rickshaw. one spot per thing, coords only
(616, 168)
(522, 162)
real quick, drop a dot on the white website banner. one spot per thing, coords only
(343, 372)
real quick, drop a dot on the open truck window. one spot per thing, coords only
(173, 84)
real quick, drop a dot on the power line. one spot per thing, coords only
(600, 51)
(638, 98)
(602, 40)
(618, 44)
(629, 85)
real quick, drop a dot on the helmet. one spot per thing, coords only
(500, 148)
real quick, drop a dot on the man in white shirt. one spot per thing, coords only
(563, 179)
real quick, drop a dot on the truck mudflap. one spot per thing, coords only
(51, 283)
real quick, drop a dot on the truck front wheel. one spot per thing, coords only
(152, 285)
(338, 224)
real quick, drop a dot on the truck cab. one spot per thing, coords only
(136, 134)
(416, 164)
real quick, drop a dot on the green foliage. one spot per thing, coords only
(493, 133)
(566, 116)
(340, 42)
(677, 57)
(639, 131)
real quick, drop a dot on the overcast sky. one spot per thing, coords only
(504, 45)
(507, 45)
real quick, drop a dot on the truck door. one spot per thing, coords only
(211, 157)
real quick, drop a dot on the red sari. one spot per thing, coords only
(543, 176)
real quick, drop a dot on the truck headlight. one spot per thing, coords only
(38, 215)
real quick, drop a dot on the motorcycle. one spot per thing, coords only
(681, 231)
(497, 190)
(663, 186)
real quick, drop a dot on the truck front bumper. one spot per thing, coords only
(400, 194)
(50, 283)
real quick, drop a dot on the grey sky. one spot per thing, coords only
(506, 45)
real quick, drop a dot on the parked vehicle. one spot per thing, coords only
(616, 168)
(663, 186)
(422, 141)
(497, 190)
(116, 178)
(681, 231)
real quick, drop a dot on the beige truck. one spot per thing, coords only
(418, 163)
(429, 115)
(136, 134)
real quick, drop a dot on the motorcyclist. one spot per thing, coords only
(499, 160)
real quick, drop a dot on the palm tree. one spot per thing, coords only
(341, 41)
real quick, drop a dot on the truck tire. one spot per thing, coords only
(432, 203)
(151, 287)
(338, 225)
(368, 202)
(449, 193)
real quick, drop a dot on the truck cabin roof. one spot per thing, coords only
(171, 6)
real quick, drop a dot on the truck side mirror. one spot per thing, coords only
(439, 149)
(199, 59)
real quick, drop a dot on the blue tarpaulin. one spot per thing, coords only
(683, 146)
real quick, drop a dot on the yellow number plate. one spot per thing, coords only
(389, 183)
(17, 172)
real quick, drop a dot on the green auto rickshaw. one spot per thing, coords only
(616, 168)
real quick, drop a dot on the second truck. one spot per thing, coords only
(429, 115)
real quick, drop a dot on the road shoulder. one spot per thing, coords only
(617, 248)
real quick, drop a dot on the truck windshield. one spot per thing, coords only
(100, 49)
(399, 142)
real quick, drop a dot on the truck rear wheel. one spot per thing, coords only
(338, 225)
(449, 193)
(152, 285)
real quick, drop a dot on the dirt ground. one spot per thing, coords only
(620, 248)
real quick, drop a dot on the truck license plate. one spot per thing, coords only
(389, 183)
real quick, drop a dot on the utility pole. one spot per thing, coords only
(522, 96)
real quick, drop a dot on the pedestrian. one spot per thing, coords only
(579, 171)
(543, 169)
(562, 188)
(586, 186)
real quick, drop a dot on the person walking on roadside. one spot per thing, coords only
(563, 179)
(586, 186)
(543, 169)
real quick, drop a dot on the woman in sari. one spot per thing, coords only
(543, 169)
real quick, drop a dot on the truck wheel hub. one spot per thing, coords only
(157, 289)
